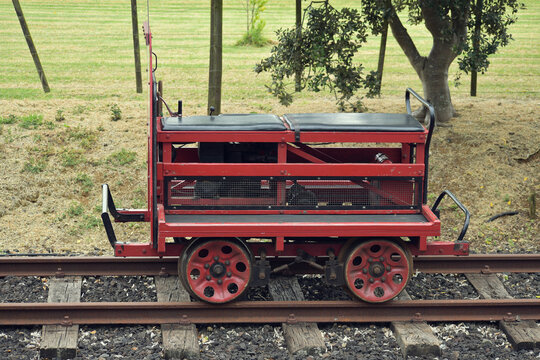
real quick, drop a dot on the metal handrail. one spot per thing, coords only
(460, 205)
(109, 207)
(408, 93)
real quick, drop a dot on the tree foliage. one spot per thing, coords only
(457, 20)
(324, 52)
(469, 30)
(494, 18)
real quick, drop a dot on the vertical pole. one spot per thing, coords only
(31, 46)
(159, 102)
(215, 69)
(136, 49)
(382, 52)
(476, 42)
(247, 16)
(298, 73)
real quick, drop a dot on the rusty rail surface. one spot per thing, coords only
(268, 312)
(107, 265)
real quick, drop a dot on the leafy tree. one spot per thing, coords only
(323, 55)
(452, 24)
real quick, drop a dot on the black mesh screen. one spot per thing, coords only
(289, 193)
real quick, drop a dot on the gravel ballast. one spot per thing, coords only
(475, 341)
(440, 287)
(314, 288)
(19, 343)
(118, 289)
(23, 289)
(359, 341)
(522, 286)
(242, 342)
(126, 342)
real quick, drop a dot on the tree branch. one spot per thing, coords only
(447, 29)
(460, 17)
(405, 42)
(434, 22)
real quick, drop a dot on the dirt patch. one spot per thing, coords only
(52, 170)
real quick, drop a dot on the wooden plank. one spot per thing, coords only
(58, 341)
(415, 338)
(521, 334)
(301, 336)
(179, 341)
(488, 286)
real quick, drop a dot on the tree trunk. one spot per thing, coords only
(433, 69)
(434, 76)
(215, 68)
(298, 72)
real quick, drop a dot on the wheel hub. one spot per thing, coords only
(376, 269)
(217, 270)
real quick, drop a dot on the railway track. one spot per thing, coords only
(178, 316)
(113, 266)
(263, 312)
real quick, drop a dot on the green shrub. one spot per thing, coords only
(71, 158)
(122, 157)
(10, 119)
(60, 115)
(34, 166)
(85, 182)
(90, 222)
(75, 210)
(116, 113)
(32, 121)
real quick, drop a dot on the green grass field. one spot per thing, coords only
(87, 53)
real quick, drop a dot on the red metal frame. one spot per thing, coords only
(294, 159)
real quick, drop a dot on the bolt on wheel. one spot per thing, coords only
(377, 270)
(216, 271)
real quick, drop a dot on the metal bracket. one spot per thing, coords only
(185, 320)
(163, 272)
(59, 273)
(333, 272)
(66, 321)
(291, 320)
(509, 317)
(260, 275)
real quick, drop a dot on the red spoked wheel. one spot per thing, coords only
(216, 271)
(377, 270)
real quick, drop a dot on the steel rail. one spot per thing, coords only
(107, 265)
(268, 312)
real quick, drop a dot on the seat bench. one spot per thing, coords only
(353, 122)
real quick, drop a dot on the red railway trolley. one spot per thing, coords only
(345, 193)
